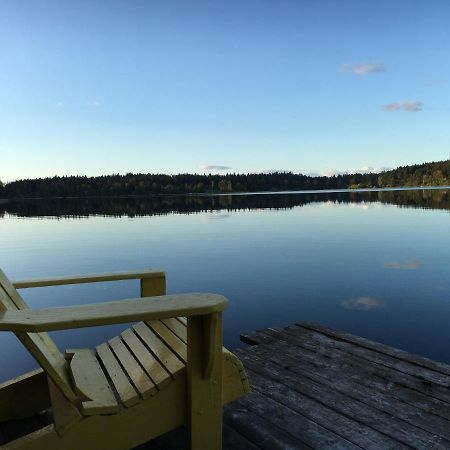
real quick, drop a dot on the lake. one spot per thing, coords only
(376, 264)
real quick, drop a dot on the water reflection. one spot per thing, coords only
(362, 303)
(182, 204)
(397, 265)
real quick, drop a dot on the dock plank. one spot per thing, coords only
(318, 343)
(367, 416)
(382, 358)
(386, 349)
(381, 379)
(346, 427)
(376, 399)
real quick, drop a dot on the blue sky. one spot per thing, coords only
(95, 87)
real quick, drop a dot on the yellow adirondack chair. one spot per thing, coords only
(167, 370)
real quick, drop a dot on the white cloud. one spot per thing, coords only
(269, 171)
(362, 303)
(94, 103)
(213, 167)
(60, 104)
(362, 170)
(392, 107)
(412, 106)
(363, 69)
(409, 105)
(331, 172)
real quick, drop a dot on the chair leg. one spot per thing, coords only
(204, 377)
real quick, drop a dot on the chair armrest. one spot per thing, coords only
(87, 278)
(108, 313)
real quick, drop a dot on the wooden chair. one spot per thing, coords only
(167, 370)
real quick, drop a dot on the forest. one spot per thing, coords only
(427, 174)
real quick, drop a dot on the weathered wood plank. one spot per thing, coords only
(414, 380)
(382, 348)
(366, 415)
(379, 357)
(315, 343)
(256, 337)
(164, 355)
(328, 418)
(294, 359)
(334, 363)
(294, 423)
(124, 388)
(260, 431)
(152, 366)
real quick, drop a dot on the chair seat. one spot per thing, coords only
(131, 367)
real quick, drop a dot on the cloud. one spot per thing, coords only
(412, 264)
(269, 171)
(362, 303)
(413, 106)
(60, 104)
(410, 106)
(363, 69)
(94, 103)
(370, 169)
(392, 107)
(218, 168)
(333, 172)
(362, 170)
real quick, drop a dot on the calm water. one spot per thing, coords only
(372, 263)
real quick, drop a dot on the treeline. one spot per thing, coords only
(428, 174)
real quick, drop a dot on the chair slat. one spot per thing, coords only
(140, 379)
(164, 354)
(151, 365)
(171, 340)
(124, 388)
(177, 328)
(90, 382)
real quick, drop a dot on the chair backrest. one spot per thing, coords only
(40, 345)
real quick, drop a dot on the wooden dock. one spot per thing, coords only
(316, 388)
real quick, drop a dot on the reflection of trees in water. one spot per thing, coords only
(160, 205)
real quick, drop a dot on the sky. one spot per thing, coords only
(106, 86)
